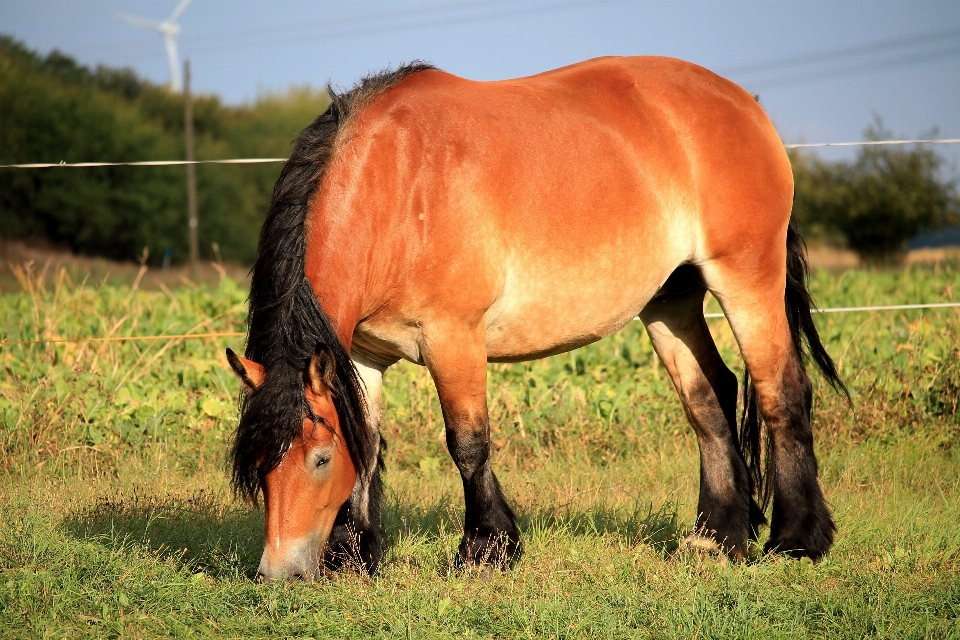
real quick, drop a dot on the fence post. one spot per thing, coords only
(191, 169)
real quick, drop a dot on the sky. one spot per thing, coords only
(823, 70)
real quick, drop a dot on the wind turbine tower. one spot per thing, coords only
(169, 29)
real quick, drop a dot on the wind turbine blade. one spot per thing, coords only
(138, 21)
(179, 10)
(176, 83)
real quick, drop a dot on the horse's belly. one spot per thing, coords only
(538, 318)
(538, 297)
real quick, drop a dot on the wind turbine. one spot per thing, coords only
(169, 29)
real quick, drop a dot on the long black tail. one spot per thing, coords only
(799, 306)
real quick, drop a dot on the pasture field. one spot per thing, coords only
(116, 518)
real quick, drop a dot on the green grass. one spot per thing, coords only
(116, 518)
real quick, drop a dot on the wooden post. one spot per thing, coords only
(191, 169)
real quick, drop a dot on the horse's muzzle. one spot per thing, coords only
(297, 560)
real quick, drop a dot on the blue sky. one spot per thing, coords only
(822, 69)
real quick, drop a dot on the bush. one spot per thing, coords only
(876, 204)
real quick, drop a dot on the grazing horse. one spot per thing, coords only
(452, 223)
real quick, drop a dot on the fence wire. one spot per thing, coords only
(170, 163)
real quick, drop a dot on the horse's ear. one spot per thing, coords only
(322, 370)
(250, 373)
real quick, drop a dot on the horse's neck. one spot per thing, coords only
(338, 273)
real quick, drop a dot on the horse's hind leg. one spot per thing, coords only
(727, 515)
(751, 291)
(457, 360)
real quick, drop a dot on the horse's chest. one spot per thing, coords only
(384, 342)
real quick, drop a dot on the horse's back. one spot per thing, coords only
(581, 155)
(556, 205)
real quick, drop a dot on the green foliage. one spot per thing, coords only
(878, 202)
(54, 109)
(116, 517)
(107, 396)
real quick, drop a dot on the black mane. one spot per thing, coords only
(285, 322)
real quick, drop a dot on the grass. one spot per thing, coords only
(116, 518)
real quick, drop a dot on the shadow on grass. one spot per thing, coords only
(223, 540)
(642, 524)
(200, 531)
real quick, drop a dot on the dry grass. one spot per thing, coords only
(825, 256)
(49, 261)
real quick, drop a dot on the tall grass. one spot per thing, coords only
(116, 518)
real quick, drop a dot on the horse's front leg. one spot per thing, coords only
(457, 360)
(357, 538)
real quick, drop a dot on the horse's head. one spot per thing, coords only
(315, 476)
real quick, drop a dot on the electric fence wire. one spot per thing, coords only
(167, 163)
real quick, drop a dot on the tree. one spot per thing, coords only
(878, 202)
(52, 109)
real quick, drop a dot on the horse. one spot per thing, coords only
(452, 223)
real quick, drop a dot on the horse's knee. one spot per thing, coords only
(469, 446)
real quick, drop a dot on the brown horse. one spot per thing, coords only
(454, 223)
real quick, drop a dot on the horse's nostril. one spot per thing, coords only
(261, 577)
(297, 577)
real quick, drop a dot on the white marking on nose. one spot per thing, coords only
(298, 557)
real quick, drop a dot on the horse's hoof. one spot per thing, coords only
(797, 549)
(357, 553)
(701, 544)
(499, 550)
(810, 541)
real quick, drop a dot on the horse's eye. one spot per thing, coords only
(322, 460)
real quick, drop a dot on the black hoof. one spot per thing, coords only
(500, 549)
(796, 549)
(814, 543)
(729, 531)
